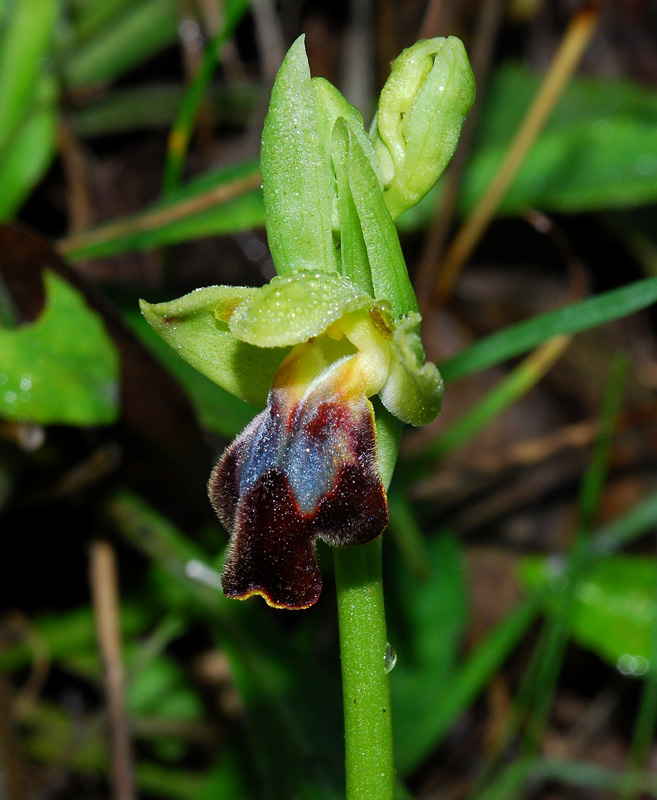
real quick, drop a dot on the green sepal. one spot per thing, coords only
(332, 105)
(297, 179)
(388, 268)
(414, 390)
(294, 308)
(196, 327)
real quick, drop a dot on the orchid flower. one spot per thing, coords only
(330, 347)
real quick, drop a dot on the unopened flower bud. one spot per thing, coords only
(419, 118)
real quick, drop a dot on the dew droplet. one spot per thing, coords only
(632, 665)
(389, 658)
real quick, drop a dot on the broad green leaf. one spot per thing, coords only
(597, 151)
(296, 173)
(613, 611)
(518, 339)
(71, 639)
(61, 369)
(159, 689)
(190, 325)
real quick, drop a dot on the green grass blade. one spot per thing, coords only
(29, 152)
(518, 339)
(595, 476)
(502, 396)
(142, 30)
(408, 534)
(646, 723)
(183, 127)
(24, 41)
(474, 672)
(618, 533)
(540, 680)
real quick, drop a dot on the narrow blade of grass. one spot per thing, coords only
(183, 127)
(136, 33)
(525, 376)
(24, 42)
(518, 339)
(532, 703)
(645, 726)
(540, 681)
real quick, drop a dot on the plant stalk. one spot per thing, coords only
(365, 684)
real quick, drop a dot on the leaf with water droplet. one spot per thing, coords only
(62, 368)
(613, 609)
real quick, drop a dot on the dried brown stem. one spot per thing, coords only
(487, 25)
(158, 217)
(564, 64)
(12, 784)
(105, 590)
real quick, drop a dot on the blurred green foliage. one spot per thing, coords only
(63, 369)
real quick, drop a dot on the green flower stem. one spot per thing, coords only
(365, 684)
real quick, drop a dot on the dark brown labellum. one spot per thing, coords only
(299, 472)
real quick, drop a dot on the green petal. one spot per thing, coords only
(414, 390)
(388, 268)
(331, 105)
(196, 327)
(292, 309)
(354, 260)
